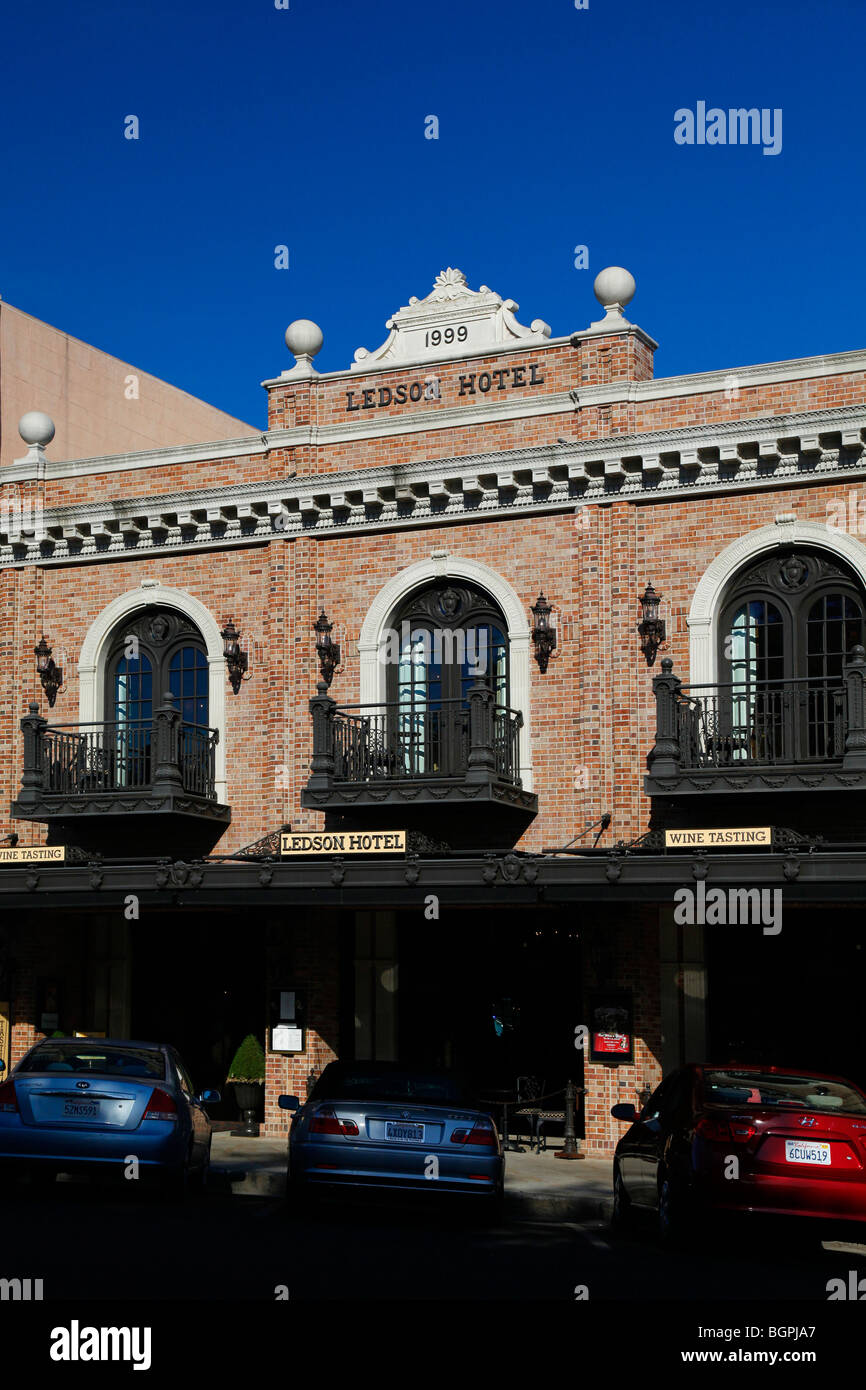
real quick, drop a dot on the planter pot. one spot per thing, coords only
(249, 1096)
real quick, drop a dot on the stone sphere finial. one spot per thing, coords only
(614, 285)
(35, 427)
(304, 338)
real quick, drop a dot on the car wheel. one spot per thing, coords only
(491, 1207)
(199, 1179)
(673, 1213)
(178, 1184)
(298, 1197)
(622, 1214)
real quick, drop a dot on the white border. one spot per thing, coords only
(91, 690)
(709, 594)
(444, 566)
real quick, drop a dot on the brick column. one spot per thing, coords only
(623, 953)
(304, 956)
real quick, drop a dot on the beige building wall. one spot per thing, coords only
(88, 396)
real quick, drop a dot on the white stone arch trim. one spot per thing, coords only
(91, 661)
(708, 596)
(400, 586)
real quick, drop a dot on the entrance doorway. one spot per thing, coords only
(194, 986)
(498, 998)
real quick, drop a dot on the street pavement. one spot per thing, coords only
(537, 1184)
(119, 1242)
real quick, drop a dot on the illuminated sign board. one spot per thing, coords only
(33, 854)
(713, 839)
(344, 842)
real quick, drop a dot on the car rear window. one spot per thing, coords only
(81, 1058)
(741, 1088)
(368, 1083)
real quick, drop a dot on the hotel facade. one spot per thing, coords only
(501, 706)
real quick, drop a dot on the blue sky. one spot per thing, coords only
(262, 127)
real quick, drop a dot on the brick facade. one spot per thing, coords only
(592, 714)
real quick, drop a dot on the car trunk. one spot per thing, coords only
(101, 1102)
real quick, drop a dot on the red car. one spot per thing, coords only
(743, 1138)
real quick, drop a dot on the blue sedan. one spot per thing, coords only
(105, 1106)
(382, 1125)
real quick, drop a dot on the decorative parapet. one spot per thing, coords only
(451, 322)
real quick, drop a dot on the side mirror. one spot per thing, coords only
(209, 1098)
(626, 1113)
(288, 1103)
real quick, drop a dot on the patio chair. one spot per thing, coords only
(532, 1105)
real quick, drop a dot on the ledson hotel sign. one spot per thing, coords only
(569, 815)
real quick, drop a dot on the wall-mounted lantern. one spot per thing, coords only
(328, 652)
(50, 675)
(236, 660)
(651, 627)
(543, 635)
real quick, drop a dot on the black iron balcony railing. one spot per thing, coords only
(133, 757)
(769, 728)
(393, 740)
(456, 744)
(769, 722)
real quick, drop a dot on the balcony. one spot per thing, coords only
(122, 786)
(406, 760)
(764, 736)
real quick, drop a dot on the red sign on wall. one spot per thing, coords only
(611, 1030)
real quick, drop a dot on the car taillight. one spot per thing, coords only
(735, 1130)
(482, 1132)
(161, 1106)
(8, 1099)
(328, 1122)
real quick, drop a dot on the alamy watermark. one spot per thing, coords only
(736, 126)
(848, 515)
(423, 647)
(22, 518)
(20, 1290)
(731, 907)
(77, 1343)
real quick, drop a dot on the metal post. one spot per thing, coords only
(167, 775)
(323, 709)
(481, 758)
(571, 1149)
(664, 757)
(855, 736)
(33, 773)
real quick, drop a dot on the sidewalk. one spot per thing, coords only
(538, 1187)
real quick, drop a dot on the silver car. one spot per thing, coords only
(383, 1125)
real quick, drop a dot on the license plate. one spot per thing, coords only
(404, 1133)
(798, 1152)
(81, 1110)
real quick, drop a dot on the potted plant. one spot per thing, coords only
(247, 1075)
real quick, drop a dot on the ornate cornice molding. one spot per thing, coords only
(24, 470)
(733, 456)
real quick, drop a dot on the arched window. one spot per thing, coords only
(787, 624)
(448, 634)
(156, 653)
